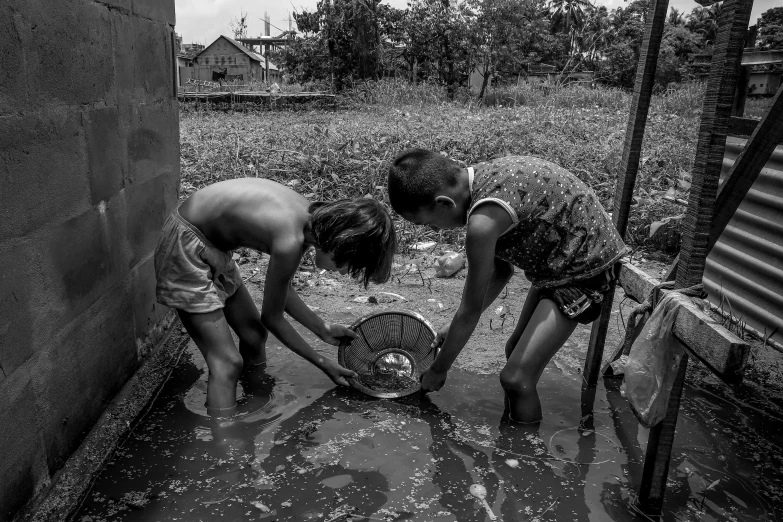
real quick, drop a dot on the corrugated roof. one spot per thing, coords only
(744, 270)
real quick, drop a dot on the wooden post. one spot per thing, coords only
(741, 93)
(266, 63)
(659, 450)
(632, 148)
(738, 108)
(718, 100)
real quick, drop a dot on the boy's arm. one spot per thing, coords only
(486, 224)
(297, 309)
(284, 260)
(501, 275)
(329, 333)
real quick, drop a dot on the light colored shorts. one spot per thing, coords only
(192, 274)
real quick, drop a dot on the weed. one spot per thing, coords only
(329, 153)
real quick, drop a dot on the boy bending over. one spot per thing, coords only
(520, 211)
(197, 276)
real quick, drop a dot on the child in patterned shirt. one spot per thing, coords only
(520, 211)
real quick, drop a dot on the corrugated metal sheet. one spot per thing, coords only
(745, 268)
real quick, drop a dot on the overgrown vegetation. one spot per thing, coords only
(327, 153)
(443, 42)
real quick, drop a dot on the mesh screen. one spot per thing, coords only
(390, 330)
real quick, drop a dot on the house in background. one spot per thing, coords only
(225, 59)
(766, 68)
(184, 62)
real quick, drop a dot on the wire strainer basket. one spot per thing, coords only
(391, 351)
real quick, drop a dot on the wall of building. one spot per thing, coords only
(89, 169)
(763, 83)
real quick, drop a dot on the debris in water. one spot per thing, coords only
(260, 507)
(386, 382)
(512, 463)
(480, 492)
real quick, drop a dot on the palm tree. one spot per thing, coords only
(676, 18)
(569, 16)
(704, 20)
(598, 34)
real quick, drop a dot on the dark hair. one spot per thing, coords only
(357, 232)
(415, 177)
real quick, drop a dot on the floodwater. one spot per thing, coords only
(301, 449)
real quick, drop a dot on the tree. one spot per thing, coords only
(569, 16)
(341, 40)
(238, 26)
(678, 45)
(437, 36)
(704, 20)
(675, 18)
(500, 33)
(770, 29)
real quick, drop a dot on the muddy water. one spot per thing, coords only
(301, 449)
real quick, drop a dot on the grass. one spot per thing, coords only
(345, 150)
(757, 106)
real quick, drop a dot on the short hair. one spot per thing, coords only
(415, 177)
(357, 232)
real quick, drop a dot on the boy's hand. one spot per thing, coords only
(335, 334)
(441, 335)
(337, 373)
(432, 380)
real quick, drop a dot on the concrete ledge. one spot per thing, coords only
(115, 424)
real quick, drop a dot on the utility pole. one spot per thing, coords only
(330, 44)
(266, 46)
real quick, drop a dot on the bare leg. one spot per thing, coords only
(546, 332)
(531, 302)
(244, 318)
(211, 334)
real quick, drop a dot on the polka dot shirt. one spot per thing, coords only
(560, 232)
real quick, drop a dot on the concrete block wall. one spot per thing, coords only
(89, 170)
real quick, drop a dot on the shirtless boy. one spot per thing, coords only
(197, 276)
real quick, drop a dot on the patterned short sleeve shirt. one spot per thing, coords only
(560, 233)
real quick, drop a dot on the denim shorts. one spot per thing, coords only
(581, 300)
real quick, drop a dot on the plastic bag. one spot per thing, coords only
(448, 264)
(653, 364)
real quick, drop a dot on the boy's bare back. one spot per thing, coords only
(247, 212)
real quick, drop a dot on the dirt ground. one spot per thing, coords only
(437, 299)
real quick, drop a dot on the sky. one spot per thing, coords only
(202, 21)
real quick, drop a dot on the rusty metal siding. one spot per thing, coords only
(745, 268)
